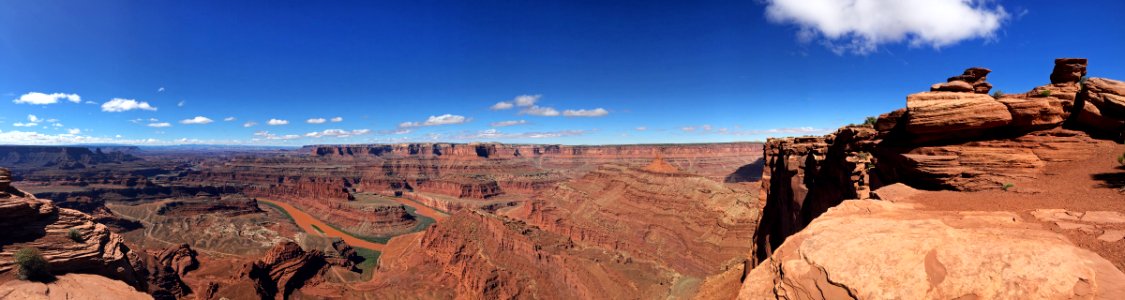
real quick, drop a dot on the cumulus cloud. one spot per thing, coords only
(316, 121)
(337, 133)
(228, 119)
(597, 112)
(32, 121)
(521, 101)
(536, 110)
(508, 123)
(44, 99)
(337, 119)
(159, 125)
(120, 105)
(33, 118)
(446, 119)
(275, 122)
(249, 124)
(197, 120)
(860, 26)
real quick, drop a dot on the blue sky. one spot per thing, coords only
(395, 71)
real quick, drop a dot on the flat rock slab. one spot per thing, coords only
(898, 192)
(1112, 235)
(1103, 217)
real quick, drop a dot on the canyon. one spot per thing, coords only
(960, 194)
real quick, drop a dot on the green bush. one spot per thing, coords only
(997, 94)
(74, 235)
(32, 266)
(1007, 186)
(870, 121)
(1045, 93)
(1121, 159)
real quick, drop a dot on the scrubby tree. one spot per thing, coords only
(997, 94)
(32, 265)
(74, 235)
(870, 121)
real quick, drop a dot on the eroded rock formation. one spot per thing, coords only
(929, 255)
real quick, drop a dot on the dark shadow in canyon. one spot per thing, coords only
(747, 173)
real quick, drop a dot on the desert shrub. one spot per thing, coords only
(74, 235)
(997, 94)
(1045, 93)
(1007, 186)
(1121, 159)
(31, 264)
(870, 121)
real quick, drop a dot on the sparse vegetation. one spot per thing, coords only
(997, 94)
(870, 121)
(1007, 186)
(1045, 93)
(32, 266)
(1121, 159)
(370, 260)
(74, 235)
(863, 155)
(317, 229)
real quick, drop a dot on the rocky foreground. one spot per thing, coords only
(1016, 162)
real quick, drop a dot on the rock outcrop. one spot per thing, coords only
(284, 269)
(929, 255)
(943, 140)
(71, 242)
(972, 80)
(71, 286)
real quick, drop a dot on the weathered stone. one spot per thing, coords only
(946, 115)
(1112, 235)
(866, 249)
(1068, 70)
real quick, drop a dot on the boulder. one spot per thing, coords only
(948, 115)
(952, 86)
(1068, 70)
(888, 121)
(1036, 112)
(971, 81)
(865, 249)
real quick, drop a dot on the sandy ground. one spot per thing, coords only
(1092, 184)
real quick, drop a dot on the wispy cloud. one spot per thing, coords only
(316, 121)
(641, 128)
(276, 122)
(708, 129)
(38, 98)
(446, 119)
(597, 112)
(159, 125)
(197, 120)
(337, 119)
(181, 103)
(270, 136)
(249, 124)
(228, 119)
(508, 123)
(161, 89)
(536, 110)
(490, 134)
(337, 133)
(120, 105)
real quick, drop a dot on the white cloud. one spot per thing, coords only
(58, 124)
(521, 101)
(536, 110)
(446, 119)
(228, 119)
(337, 133)
(508, 123)
(44, 99)
(181, 103)
(497, 134)
(159, 125)
(28, 124)
(197, 120)
(337, 119)
(597, 112)
(249, 124)
(161, 89)
(73, 131)
(120, 105)
(501, 105)
(316, 121)
(641, 128)
(860, 26)
(269, 136)
(275, 122)
(33, 118)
